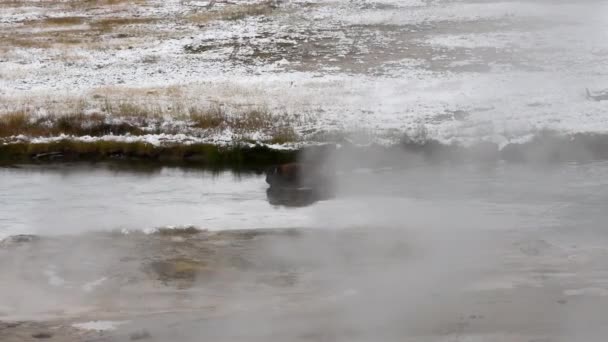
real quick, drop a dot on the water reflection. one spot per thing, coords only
(65, 199)
(297, 184)
(295, 197)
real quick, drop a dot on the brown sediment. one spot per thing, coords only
(159, 284)
(178, 231)
(178, 269)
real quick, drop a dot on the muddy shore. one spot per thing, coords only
(296, 285)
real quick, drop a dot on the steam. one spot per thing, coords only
(410, 247)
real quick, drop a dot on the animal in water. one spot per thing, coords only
(298, 184)
(284, 175)
(601, 96)
(297, 175)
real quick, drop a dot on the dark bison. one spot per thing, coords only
(297, 184)
(297, 175)
(285, 175)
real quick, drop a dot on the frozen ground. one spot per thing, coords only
(451, 70)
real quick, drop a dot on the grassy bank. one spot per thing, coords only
(544, 148)
(134, 119)
(204, 155)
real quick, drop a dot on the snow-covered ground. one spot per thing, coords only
(456, 70)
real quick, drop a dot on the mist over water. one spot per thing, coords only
(429, 252)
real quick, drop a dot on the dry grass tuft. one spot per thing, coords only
(214, 117)
(127, 109)
(254, 120)
(78, 124)
(209, 118)
(13, 123)
(284, 134)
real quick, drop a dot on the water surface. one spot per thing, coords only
(71, 199)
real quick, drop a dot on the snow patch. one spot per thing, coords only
(99, 325)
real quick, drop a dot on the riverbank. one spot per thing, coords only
(163, 150)
(204, 155)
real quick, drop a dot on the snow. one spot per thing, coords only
(99, 325)
(153, 139)
(53, 278)
(379, 66)
(589, 291)
(89, 287)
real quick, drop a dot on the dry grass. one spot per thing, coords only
(13, 123)
(59, 28)
(125, 109)
(284, 134)
(253, 120)
(25, 3)
(62, 30)
(110, 24)
(234, 12)
(207, 119)
(62, 21)
(24, 123)
(115, 93)
(45, 40)
(56, 31)
(108, 113)
(27, 42)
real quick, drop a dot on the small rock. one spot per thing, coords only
(19, 239)
(42, 335)
(7, 325)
